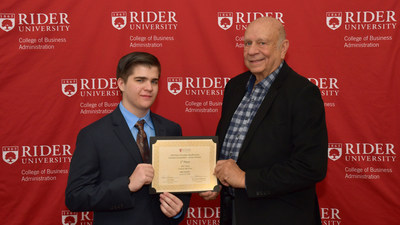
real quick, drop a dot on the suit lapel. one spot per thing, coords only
(265, 105)
(124, 134)
(159, 129)
(261, 113)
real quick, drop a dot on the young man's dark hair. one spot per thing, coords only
(128, 62)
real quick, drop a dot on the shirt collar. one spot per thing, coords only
(131, 119)
(266, 82)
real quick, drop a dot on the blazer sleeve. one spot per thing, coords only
(306, 162)
(85, 190)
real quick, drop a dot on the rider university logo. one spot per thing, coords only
(7, 21)
(10, 154)
(69, 86)
(334, 151)
(334, 20)
(118, 19)
(225, 20)
(175, 85)
(69, 218)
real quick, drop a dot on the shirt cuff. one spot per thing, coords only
(179, 214)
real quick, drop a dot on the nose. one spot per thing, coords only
(252, 49)
(148, 86)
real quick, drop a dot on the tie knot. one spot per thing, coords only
(139, 124)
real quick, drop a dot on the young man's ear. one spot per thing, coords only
(121, 84)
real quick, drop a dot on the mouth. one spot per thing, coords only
(253, 61)
(146, 96)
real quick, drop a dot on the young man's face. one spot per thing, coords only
(140, 89)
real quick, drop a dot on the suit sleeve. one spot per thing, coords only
(307, 161)
(85, 190)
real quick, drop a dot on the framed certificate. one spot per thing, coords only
(183, 164)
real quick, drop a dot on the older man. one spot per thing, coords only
(272, 135)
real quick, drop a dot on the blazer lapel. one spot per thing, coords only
(265, 105)
(124, 134)
(159, 129)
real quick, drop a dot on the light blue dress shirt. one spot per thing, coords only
(131, 120)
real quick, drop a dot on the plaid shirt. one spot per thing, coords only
(244, 115)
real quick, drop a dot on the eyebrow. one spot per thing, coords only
(146, 78)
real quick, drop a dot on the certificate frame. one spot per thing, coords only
(183, 164)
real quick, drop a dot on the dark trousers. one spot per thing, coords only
(227, 208)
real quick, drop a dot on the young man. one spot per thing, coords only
(109, 173)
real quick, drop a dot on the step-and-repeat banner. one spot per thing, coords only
(58, 61)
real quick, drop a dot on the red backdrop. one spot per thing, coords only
(58, 61)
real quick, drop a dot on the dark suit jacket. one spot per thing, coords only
(284, 153)
(106, 154)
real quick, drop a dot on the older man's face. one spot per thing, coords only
(262, 52)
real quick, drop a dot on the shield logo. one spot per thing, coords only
(118, 20)
(225, 20)
(69, 218)
(10, 154)
(334, 20)
(174, 85)
(69, 86)
(334, 151)
(7, 21)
